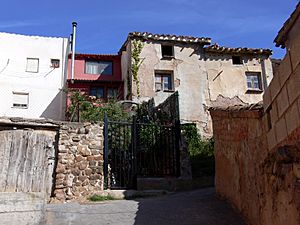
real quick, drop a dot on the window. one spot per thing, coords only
(97, 91)
(163, 82)
(20, 100)
(112, 93)
(55, 63)
(237, 60)
(254, 81)
(167, 51)
(100, 67)
(32, 65)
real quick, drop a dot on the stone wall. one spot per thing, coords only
(79, 171)
(262, 183)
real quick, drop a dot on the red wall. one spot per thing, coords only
(79, 67)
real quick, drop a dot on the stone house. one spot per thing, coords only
(33, 76)
(204, 75)
(97, 75)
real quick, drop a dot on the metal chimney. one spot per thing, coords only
(74, 24)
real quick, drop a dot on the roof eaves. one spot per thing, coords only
(287, 26)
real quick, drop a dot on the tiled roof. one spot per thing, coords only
(253, 51)
(93, 56)
(282, 34)
(169, 37)
(256, 106)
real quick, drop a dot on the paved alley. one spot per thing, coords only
(199, 207)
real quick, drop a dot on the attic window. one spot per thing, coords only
(237, 60)
(167, 51)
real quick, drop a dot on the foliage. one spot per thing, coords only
(197, 146)
(99, 198)
(201, 152)
(86, 108)
(136, 62)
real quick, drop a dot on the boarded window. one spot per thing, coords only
(98, 67)
(32, 65)
(20, 100)
(254, 81)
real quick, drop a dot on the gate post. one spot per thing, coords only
(177, 146)
(105, 152)
(134, 151)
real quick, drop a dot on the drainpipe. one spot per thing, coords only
(74, 24)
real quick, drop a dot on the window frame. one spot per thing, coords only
(99, 62)
(259, 80)
(20, 106)
(38, 65)
(163, 74)
(55, 63)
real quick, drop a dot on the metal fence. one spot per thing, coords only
(139, 150)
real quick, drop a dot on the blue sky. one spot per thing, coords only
(103, 25)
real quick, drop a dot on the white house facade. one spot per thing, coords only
(33, 72)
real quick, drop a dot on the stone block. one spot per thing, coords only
(284, 69)
(272, 140)
(60, 168)
(274, 87)
(292, 118)
(83, 165)
(281, 130)
(282, 101)
(296, 170)
(293, 85)
(274, 113)
(267, 99)
(295, 53)
(79, 158)
(83, 150)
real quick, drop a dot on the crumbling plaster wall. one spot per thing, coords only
(195, 77)
(189, 76)
(229, 80)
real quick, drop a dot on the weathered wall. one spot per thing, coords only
(79, 171)
(46, 98)
(22, 208)
(198, 77)
(240, 149)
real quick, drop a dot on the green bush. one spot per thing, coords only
(99, 198)
(201, 152)
(90, 109)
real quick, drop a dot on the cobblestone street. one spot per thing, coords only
(199, 207)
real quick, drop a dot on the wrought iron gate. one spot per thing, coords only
(139, 149)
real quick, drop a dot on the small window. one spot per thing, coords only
(163, 82)
(55, 63)
(237, 60)
(167, 51)
(112, 93)
(254, 81)
(20, 100)
(100, 67)
(97, 92)
(32, 65)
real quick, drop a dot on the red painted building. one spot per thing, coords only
(97, 75)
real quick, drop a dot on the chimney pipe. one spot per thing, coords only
(74, 25)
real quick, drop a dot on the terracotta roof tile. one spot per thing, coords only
(169, 37)
(222, 49)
